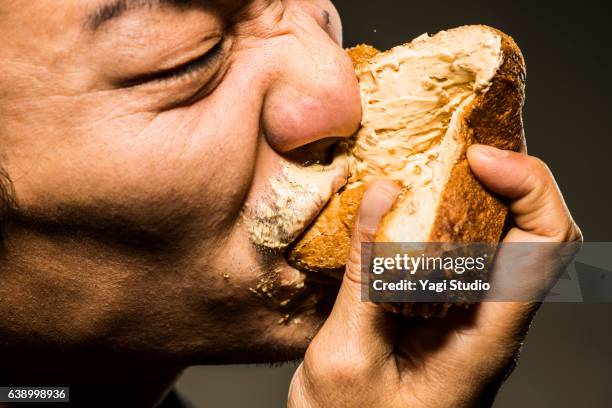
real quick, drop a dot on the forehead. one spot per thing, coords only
(36, 24)
(52, 34)
(94, 13)
(44, 19)
(113, 9)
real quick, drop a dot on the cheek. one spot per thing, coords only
(185, 170)
(197, 162)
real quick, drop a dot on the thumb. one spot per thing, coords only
(362, 322)
(523, 272)
(536, 205)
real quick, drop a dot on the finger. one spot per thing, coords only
(540, 215)
(537, 205)
(362, 325)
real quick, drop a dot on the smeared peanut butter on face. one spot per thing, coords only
(288, 292)
(291, 200)
(278, 212)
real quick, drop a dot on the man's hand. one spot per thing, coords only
(364, 356)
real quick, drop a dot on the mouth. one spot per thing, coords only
(292, 201)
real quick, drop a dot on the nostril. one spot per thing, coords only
(326, 18)
(312, 98)
(321, 151)
(326, 22)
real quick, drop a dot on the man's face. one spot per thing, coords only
(141, 138)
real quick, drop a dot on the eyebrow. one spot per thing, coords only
(115, 8)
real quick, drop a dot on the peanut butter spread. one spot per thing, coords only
(409, 95)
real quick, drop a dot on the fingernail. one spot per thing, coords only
(489, 151)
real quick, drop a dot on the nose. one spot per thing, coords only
(314, 98)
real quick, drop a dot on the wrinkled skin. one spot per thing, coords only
(130, 198)
(130, 184)
(134, 145)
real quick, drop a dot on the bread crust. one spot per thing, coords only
(467, 212)
(361, 54)
(325, 246)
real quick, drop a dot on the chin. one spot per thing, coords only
(265, 311)
(297, 304)
(271, 340)
(283, 340)
(260, 310)
(302, 317)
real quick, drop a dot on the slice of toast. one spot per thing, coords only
(424, 103)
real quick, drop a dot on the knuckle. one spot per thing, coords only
(542, 205)
(538, 165)
(574, 233)
(539, 181)
(365, 234)
(353, 267)
(539, 175)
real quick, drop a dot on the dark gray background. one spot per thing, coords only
(567, 359)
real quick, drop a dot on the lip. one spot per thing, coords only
(338, 181)
(329, 284)
(292, 200)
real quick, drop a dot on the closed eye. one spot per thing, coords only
(194, 66)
